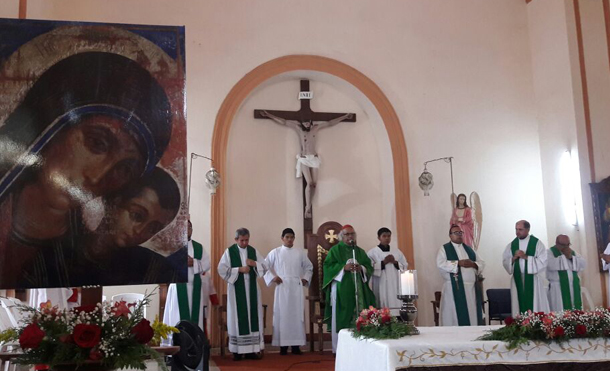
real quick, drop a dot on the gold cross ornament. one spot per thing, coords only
(331, 236)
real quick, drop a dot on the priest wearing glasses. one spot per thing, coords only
(346, 283)
(459, 265)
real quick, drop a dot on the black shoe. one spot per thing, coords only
(296, 350)
(283, 351)
(251, 356)
(237, 357)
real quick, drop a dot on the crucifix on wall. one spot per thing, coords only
(307, 123)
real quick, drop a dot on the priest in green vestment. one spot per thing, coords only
(240, 266)
(186, 301)
(562, 272)
(344, 280)
(525, 258)
(462, 297)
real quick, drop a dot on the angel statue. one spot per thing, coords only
(469, 218)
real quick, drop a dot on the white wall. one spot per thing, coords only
(9, 9)
(598, 82)
(457, 73)
(560, 106)
(555, 96)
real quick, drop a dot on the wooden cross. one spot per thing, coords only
(305, 114)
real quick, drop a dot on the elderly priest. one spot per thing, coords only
(346, 279)
(562, 272)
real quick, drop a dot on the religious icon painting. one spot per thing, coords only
(600, 194)
(92, 154)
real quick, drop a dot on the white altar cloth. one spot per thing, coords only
(457, 346)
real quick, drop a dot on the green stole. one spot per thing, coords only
(564, 283)
(459, 293)
(186, 313)
(240, 292)
(525, 287)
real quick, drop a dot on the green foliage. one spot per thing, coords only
(392, 330)
(9, 335)
(513, 335)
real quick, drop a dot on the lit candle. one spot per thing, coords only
(408, 282)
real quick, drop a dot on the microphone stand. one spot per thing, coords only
(354, 273)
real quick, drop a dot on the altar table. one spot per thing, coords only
(447, 348)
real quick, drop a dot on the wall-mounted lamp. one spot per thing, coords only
(426, 181)
(212, 177)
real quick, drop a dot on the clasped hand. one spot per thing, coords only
(389, 260)
(351, 267)
(246, 269)
(519, 254)
(467, 263)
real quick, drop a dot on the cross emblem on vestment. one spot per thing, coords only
(331, 236)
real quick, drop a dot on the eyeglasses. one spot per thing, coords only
(568, 245)
(457, 233)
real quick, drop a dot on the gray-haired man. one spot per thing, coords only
(240, 266)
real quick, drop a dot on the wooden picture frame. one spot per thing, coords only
(600, 194)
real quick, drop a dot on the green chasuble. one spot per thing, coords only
(525, 286)
(564, 284)
(191, 313)
(345, 312)
(241, 300)
(459, 291)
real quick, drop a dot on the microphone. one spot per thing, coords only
(352, 243)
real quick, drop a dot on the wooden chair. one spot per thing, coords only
(436, 307)
(317, 249)
(222, 323)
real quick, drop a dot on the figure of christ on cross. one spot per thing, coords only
(308, 161)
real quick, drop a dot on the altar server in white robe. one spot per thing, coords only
(525, 258)
(240, 266)
(461, 297)
(289, 270)
(180, 304)
(562, 272)
(387, 262)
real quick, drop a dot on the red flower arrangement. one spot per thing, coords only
(553, 326)
(31, 336)
(143, 332)
(111, 334)
(380, 324)
(87, 336)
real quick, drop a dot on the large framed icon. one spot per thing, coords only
(93, 154)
